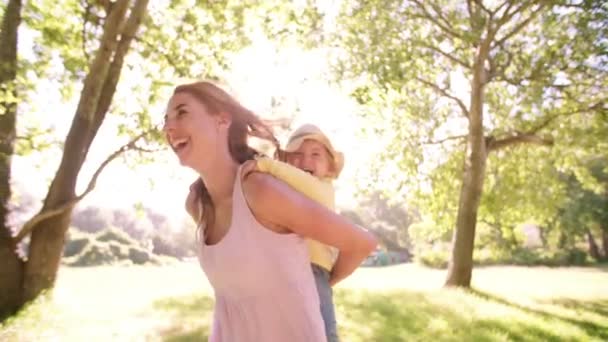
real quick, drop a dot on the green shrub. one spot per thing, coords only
(76, 246)
(94, 254)
(490, 256)
(110, 246)
(117, 235)
(425, 233)
(138, 256)
(438, 256)
(577, 257)
(434, 258)
(529, 257)
(120, 251)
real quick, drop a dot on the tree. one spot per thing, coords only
(12, 265)
(49, 226)
(389, 220)
(584, 210)
(534, 73)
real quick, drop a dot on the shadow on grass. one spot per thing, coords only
(414, 316)
(598, 307)
(411, 316)
(189, 321)
(592, 329)
(602, 266)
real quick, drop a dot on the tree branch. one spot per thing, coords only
(497, 9)
(445, 26)
(445, 93)
(470, 9)
(552, 118)
(519, 26)
(99, 67)
(499, 69)
(182, 72)
(85, 20)
(531, 136)
(473, 8)
(493, 144)
(447, 55)
(126, 37)
(441, 141)
(492, 30)
(508, 16)
(484, 8)
(48, 213)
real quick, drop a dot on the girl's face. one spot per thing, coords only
(312, 157)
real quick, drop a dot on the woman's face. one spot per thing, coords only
(193, 134)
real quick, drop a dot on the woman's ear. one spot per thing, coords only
(224, 119)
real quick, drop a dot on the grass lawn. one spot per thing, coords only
(397, 303)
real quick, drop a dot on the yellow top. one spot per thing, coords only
(319, 190)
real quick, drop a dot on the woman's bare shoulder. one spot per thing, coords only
(191, 202)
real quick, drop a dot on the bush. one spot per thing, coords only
(577, 257)
(438, 256)
(94, 254)
(492, 256)
(531, 257)
(570, 257)
(76, 246)
(120, 251)
(163, 246)
(424, 233)
(138, 256)
(433, 258)
(109, 246)
(115, 234)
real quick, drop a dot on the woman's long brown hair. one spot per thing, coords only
(244, 124)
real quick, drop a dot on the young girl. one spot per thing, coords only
(318, 163)
(251, 225)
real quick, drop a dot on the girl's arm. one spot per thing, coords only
(305, 183)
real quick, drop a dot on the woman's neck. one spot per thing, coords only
(220, 178)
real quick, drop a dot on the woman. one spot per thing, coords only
(251, 225)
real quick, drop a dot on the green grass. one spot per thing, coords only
(397, 303)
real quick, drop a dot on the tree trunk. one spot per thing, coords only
(604, 226)
(562, 240)
(47, 240)
(542, 236)
(48, 236)
(461, 264)
(11, 276)
(11, 272)
(594, 250)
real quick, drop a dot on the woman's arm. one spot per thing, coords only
(287, 210)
